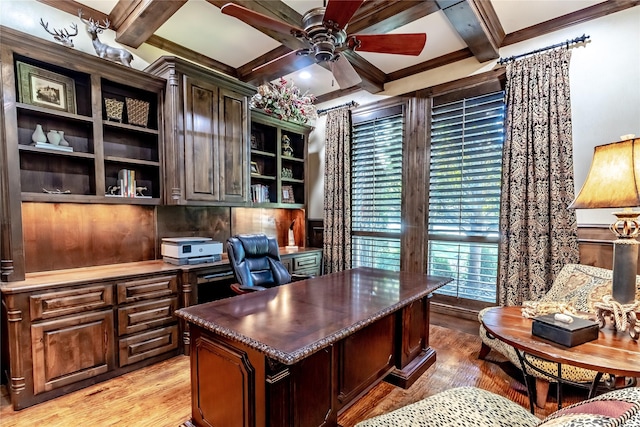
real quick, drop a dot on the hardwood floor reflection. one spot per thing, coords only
(159, 395)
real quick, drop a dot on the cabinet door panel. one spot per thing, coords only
(201, 130)
(365, 356)
(71, 349)
(233, 152)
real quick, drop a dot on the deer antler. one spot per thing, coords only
(89, 22)
(63, 36)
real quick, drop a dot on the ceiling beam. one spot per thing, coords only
(139, 19)
(382, 16)
(477, 24)
(592, 12)
(191, 55)
(72, 7)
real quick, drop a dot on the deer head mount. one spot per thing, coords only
(111, 53)
(63, 36)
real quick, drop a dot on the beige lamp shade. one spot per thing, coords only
(614, 178)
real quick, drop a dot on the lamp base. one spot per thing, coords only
(625, 262)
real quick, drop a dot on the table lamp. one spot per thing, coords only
(614, 182)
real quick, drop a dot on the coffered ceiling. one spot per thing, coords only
(456, 29)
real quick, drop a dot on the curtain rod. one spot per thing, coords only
(350, 104)
(567, 43)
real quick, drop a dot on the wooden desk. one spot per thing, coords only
(300, 353)
(613, 352)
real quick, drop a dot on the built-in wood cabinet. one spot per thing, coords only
(69, 329)
(107, 114)
(206, 131)
(278, 162)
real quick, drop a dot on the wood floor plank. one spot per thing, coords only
(159, 395)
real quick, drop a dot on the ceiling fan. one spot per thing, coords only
(324, 32)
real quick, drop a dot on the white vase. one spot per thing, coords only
(63, 142)
(38, 135)
(54, 137)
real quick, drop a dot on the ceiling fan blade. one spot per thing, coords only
(344, 73)
(259, 20)
(287, 63)
(340, 12)
(401, 44)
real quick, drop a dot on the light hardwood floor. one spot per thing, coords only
(159, 395)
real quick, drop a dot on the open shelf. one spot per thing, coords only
(99, 147)
(283, 175)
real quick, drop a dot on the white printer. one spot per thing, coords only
(190, 250)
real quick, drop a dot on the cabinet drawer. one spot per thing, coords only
(72, 349)
(309, 263)
(60, 303)
(288, 263)
(148, 344)
(146, 315)
(153, 287)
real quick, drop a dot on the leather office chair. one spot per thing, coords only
(256, 263)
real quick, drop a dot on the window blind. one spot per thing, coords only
(464, 194)
(376, 174)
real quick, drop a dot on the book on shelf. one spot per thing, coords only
(260, 193)
(127, 181)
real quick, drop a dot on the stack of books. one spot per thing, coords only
(127, 181)
(260, 193)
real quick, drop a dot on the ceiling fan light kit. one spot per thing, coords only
(325, 34)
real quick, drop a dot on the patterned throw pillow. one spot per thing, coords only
(616, 408)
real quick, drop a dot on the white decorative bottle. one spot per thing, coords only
(54, 137)
(38, 135)
(63, 142)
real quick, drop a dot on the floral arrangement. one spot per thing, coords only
(284, 100)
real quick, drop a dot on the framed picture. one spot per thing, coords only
(254, 168)
(45, 88)
(287, 194)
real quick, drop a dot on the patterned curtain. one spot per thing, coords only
(538, 234)
(337, 191)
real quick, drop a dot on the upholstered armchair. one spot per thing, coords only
(579, 286)
(255, 260)
(471, 406)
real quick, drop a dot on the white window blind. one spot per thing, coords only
(376, 174)
(464, 194)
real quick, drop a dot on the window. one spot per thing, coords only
(376, 189)
(464, 194)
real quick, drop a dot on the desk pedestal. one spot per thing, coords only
(235, 385)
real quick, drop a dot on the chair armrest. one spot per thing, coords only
(298, 277)
(252, 288)
(241, 289)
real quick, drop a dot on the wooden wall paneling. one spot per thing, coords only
(11, 247)
(416, 183)
(198, 221)
(272, 222)
(65, 235)
(596, 245)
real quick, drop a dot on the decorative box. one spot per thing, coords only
(137, 112)
(114, 109)
(568, 334)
